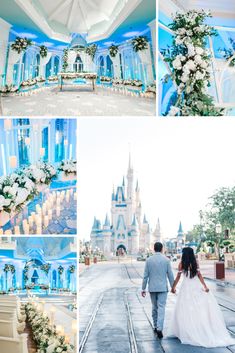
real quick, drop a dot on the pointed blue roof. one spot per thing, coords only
(180, 230)
(120, 191)
(134, 221)
(145, 220)
(123, 181)
(121, 222)
(94, 224)
(106, 223)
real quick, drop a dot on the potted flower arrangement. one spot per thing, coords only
(45, 268)
(68, 169)
(21, 44)
(60, 270)
(65, 60)
(9, 90)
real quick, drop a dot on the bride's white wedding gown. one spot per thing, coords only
(197, 319)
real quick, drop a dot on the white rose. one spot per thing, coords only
(200, 75)
(191, 65)
(177, 64)
(191, 51)
(199, 50)
(178, 41)
(59, 350)
(21, 196)
(198, 59)
(173, 111)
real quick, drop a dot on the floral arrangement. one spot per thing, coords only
(113, 50)
(139, 43)
(29, 82)
(118, 81)
(9, 89)
(53, 78)
(68, 166)
(229, 53)
(44, 334)
(9, 268)
(73, 75)
(189, 61)
(45, 268)
(60, 269)
(151, 88)
(40, 173)
(43, 51)
(21, 44)
(134, 83)
(91, 50)
(105, 79)
(15, 191)
(72, 268)
(40, 79)
(65, 60)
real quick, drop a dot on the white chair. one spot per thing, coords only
(14, 345)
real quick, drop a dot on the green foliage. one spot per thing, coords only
(65, 60)
(113, 50)
(91, 50)
(139, 43)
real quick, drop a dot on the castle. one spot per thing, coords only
(127, 231)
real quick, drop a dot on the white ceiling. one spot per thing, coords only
(219, 8)
(95, 18)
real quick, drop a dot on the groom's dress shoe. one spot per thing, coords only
(155, 330)
(159, 334)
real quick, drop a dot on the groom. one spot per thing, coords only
(157, 270)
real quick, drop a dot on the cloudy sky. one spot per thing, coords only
(179, 163)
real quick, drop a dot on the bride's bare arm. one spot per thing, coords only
(177, 278)
(202, 281)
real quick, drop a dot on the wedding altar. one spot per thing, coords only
(71, 77)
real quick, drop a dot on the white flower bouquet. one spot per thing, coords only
(53, 78)
(68, 167)
(41, 173)
(117, 81)
(21, 44)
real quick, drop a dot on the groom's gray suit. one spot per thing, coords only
(157, 270)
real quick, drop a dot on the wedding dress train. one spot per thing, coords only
(197, 319)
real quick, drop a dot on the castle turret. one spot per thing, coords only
(157, 236)
(180, 238)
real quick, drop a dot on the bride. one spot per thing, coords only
(197, 319)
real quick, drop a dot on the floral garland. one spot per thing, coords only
(134, 83)
(189, 61)
(139, 43)
(45, 268)
(229, 53)
(26, 272)
(91, 50)
(43, 51)
(72, 268)
(65, 60)
(68, 166)
(9, 268)
(53, 78)
(60, 270)
(113, 50)
(44, 334)
(21, 44)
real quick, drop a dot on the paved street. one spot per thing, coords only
(115, 318)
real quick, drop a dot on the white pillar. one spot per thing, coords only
(43, 62)
(116, 66)
(4, 35)
(146, 60)
(153, 28)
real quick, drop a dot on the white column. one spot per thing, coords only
(146, 60)
(71, 59)
(153, 28)
(116, 66)
(43, 62)
(4, 35)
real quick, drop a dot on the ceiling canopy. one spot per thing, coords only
(59, 19)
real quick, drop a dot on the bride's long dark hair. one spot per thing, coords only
(189, 262)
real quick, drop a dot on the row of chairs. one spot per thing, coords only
(12, 325)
